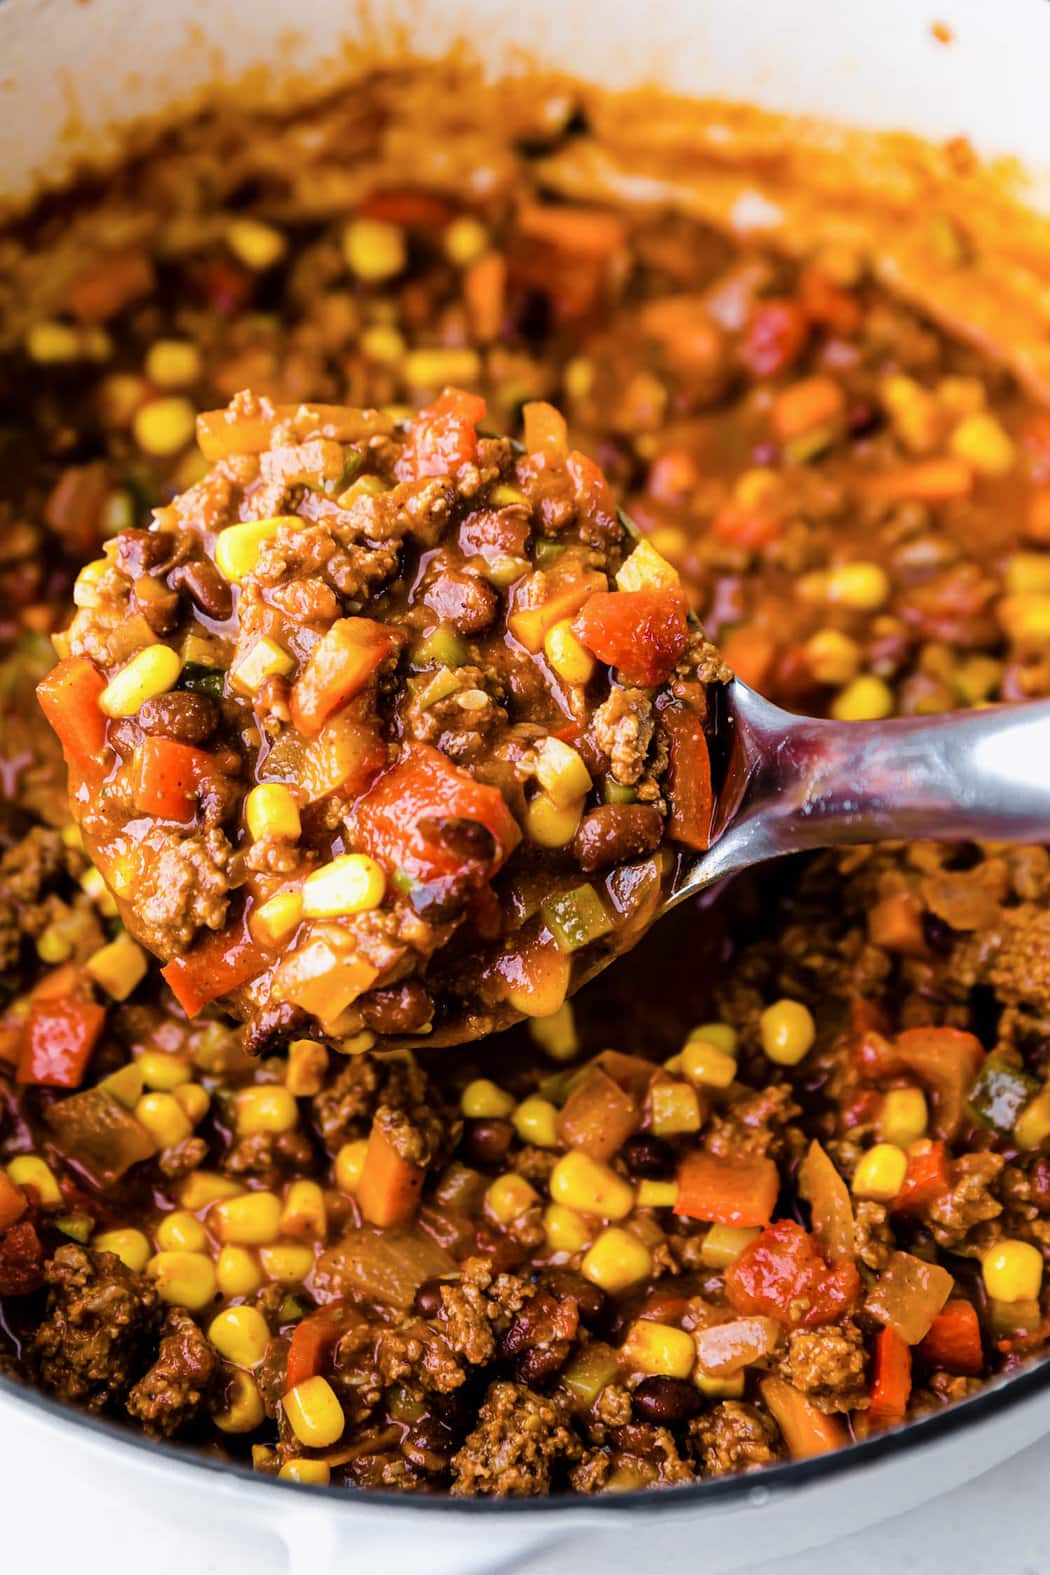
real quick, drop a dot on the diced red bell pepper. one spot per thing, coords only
(774, 338)
(314, 1337)
(727, 1192)
(401, 818)
(891, 1380)
(167, 776)
(60, 1034)
(69, 697)
(442, 437)
(12, 1201)
(640, 633)
(414, 210)
(339, 667)
(954, 1339)
(222, 962)
(21, 1260)
(688, 779)
(594, 496)
(390, 1185)
(928, 1176)
(783, 1274)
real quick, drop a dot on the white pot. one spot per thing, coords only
(68, 73)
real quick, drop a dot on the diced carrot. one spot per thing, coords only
(926, 481)
(895, 924)
(750, 652)
(727, 1192)
(805, 1430)
(751, 528)
(545, 431)
(167, 776)
(891, 1380)
(222, 962)
(390, 1185)
(685, 329)
(810, 403)
(12, 1201)
(60, 1034)
(485, 294)
(339, 666)
(948, 1061)
(954, 1339)
(313, 1338)
(586, 232)
(927, 1177)
(69, 697)
(688, 779)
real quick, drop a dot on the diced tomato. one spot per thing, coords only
(313, 1338)
(783, 1274)
(390, 1185)
(927, 1177)
(167, 776)
(414, 210)
(750, 652)
(442, 437)
(594, 496)
(410, 818)
(640, 633)
(891, 1380)
(688, 779)
(221, 963)
(727, 1192)
(60, 1034)
(954, 1339)
(340, 665)
(750, 528)
(21, 1260)
(774, 338)
(69, 697)
(12, 1201)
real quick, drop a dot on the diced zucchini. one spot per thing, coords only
(575, 918)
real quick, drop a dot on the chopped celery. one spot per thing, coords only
(1001, 1092)
(575, 918)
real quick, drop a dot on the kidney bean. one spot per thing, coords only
(487, 1142)
(590, 1299)
(191, 718)
(399, 1009)
(463, 599)
(157, 604)
(205, 586)
(666, 1401)
(645, 1155)
(141, 551)
(615, 834)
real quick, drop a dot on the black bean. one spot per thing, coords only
(666, 1401)
(192, 718)
(590, 1299)
(428, 1298)
(645, 1155)
(206, 587)
(141, 551)
(398, 1009)
(486, 1142)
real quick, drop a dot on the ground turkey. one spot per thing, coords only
(969, 1200)
(732, 1436)
(519, 1442)
(176, 1388)
(184, 889)
(828, 1366)
(623, 730)
(344, 1110)
(100, 1320)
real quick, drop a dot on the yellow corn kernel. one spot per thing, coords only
(304, 1213)
(1032, 1127)
(465, 239)
(72, 837)
(880, 1173)
(483, 1100)
(202, 1188)
(352, 883)
(659, 1349)
(723, 1244)
(962, 396)
(903, 1116)
(163, 1071)
(349, 1163)
(266, 659)
(549, 825)
(617, 1261)
(237, 548)
(556, 1035)
(657, 1194)
(307, 1064)
(237, 1272)
(731, 1388)
(674, 1108)
(286, 1262)
(118, 967)
(314, 1413)
(374, 250)
(181, 1231)
(277, 918)
(984, 443)
(29, 1170)
(51, 344)
(915, 413)
(1025, 571)
(243, 1410)
(569, 658)
(251, 1220)
(1026, 617)
(162, 426)
(185, 1279)
(241, 1334)
(724, 1035)
(866, 699)
(593, 1188)
(270, 810)
(151, 672)
(1012, 1271)
(509, 1196)
(194, 1100)
(566, 1230)
(258, 246)
(787, 1031)
(579, 377)
(130, 1246)
(536, 1121)
(383, 343)
(646, 570)
(267, 1107)
(94, 886)
(317, 1473)
(832, 657)
(53, 945)
(173, 363)
(704, 1063)
(862, 587)
(164, 1119)
(435, 368)
(561, 772)
(86, 592)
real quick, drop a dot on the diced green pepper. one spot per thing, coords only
(575, 918)
(442, 647)
(435, 687)
(546, 552)
(203, 680)
(616, 793)
(77, 1227)
(589, 1373)
(1001, 1092)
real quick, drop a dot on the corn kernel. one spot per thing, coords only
(286, 1262)
(267, 1107)
(237, 548)
(29, 1170)
(509, 1196)
(241, 1334)
(266, 659)
(723, 1244)
(465, 239)
(162, 426)
(243, 1410)
(51, 344)
(566, 1230)
(483, 1100)
(880, 1173)
(561, 772)
(915, 414)
(593, 1188)
(962, 396)
(1032, 1127)
(383, 343)
(435, 368)
(757, 488)
(903, 1116)
(118, 967)
(318, 1473)
(237, 1272)
(657, 1194)
(173, 363)
(251, 1220)
(862, 587)
(86, 588)
(93, 885)
(867, 699)
(549, 825)
(304, 1213)
(832, 657)
(202, 1188)
(787, 1031)
(270, 810)
(617, 1261)
(646, 570)
(258, 246)
(569, 658)
(536, 1121)
(556, 1035)
(1012, 1271)
(151, 672)
(163, 1071)
(184, 1279)
(130, 1246)
(194, 1100)
(164, 1119)
(349, 1163)
(1026, 617)
(1025, 571)
(983, 442)
(352, 883)
(659, 1349)
(181, 1231)
(704, 1063)
(307, 1065)
(731, 1388)
(674, 1108)
(314, 1414)
(374, 250)
(277, 918)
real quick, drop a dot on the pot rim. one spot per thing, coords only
(994, 1400)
